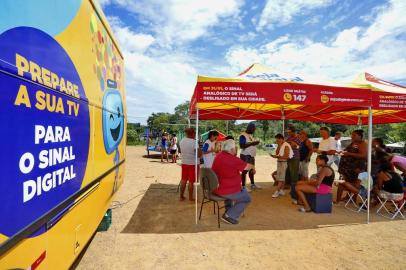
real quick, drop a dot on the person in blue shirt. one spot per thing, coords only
(164, 147)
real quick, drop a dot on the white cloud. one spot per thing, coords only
(129, 40)
(178, 21)
(247, 37)
(104, 2)
(281, 12)
(378, 49)
(156, 79)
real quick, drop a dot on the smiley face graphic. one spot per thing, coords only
(287, 97)
(113, 119)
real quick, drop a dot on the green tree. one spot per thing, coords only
(265, 128)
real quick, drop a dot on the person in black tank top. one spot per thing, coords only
(322, 184)
(389, 180)
(306, 151)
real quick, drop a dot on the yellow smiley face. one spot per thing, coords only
(287, 97)
(324, 99)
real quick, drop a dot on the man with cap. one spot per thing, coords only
(293, 163)
(248, 152)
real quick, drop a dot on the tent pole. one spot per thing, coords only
(369, 158)
(283, 121)
(197, 161)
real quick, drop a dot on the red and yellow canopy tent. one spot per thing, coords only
(265, 94)
(388, 101)
(262, 93)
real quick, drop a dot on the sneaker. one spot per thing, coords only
(276, 194)
(281, 192)
(228, 219)
(247, 189)
(254, 186)
(294, 201)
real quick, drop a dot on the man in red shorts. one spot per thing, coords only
(228, 168)
(188, 151)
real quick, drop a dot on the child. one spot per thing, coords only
(209, 149)
(283, 153)
(173, 147)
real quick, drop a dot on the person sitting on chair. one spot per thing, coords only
(321, 185)
(389, 182)
(228, 168)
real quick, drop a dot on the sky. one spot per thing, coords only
(167, 43)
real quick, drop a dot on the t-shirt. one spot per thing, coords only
(327, 145)
(251, 150)
(363, 177)
(174, 142)
(188, 150)
(227, 168)
(338, 145)
(296, 153)
(208, 158)
(163, 142)
(304, 150)
(399, 159)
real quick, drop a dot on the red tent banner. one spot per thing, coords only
(388, 104)
(263, 93)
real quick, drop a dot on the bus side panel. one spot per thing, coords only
(72, 44)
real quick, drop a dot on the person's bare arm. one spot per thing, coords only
(199, 152)
(381, 176)
(400, 167)
(309, 145)
(248, 144)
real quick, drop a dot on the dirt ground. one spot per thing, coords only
(152, 229)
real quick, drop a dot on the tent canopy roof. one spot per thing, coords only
(260, 92)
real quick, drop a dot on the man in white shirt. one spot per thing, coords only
(339, 148)
(327, 145)
(209, 149)
(188, 151)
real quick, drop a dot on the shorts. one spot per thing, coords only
(304, 169)
(247, 158)
(173, 151)
(281, 167)
(363, 192)
(391, 196)
(323, 189)
(164, 148)
(188, 173)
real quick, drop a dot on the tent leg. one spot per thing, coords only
(283, 120)
(369, 159)
(283, 127)
(197, 161)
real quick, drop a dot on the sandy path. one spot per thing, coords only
(156, 231)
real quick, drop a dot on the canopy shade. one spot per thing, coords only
(388, 103)
(263, 93)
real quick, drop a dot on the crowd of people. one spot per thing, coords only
(293, 155)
